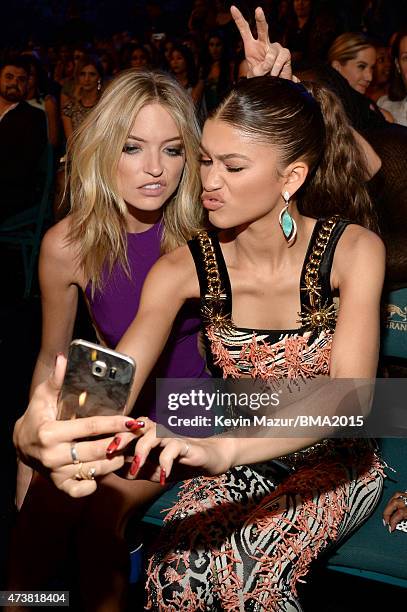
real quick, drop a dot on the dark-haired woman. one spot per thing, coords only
(275, 180)
(87, 93)
(216, 72)
(182, 66)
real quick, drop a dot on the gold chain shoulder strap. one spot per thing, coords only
(318, 316)
(214, 299)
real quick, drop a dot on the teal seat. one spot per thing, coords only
(372, 552)
(26, 228)
(154, 517)
(156, 512)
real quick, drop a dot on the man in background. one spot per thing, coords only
(23, 136)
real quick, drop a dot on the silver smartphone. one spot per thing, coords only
(97, 381)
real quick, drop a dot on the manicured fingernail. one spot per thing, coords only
(384, 523)
(162, 477)
(114, 444)
(135, 465)
(390, 529)
(134, 425)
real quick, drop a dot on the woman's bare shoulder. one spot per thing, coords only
(57, 250)
(360, 239)
(178, 267)
(360, 252)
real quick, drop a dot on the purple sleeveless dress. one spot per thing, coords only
(114, 308)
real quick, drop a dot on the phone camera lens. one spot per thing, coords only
(99, 369)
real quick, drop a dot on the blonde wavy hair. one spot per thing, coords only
(346, 47)
(97, 210)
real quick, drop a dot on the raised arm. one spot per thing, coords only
(59, 297)
(59, 279)
(45, 443)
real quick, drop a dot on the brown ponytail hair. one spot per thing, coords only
(308, 123)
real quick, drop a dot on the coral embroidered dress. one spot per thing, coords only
(241, 541)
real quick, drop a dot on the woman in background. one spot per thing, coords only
(354, 56)
(182, 66)
(88, 90)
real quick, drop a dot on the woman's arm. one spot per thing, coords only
(59, 298)
(45, 443)
(170, 282)
(59, 278)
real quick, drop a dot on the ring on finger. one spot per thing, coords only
(74, 454)
(81, 475)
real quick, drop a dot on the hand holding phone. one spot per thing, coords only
(97, 381)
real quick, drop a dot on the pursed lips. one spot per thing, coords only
(211, 201)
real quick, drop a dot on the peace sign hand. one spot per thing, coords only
(263, 56)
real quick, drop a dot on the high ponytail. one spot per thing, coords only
(306, 123)
(342, 172)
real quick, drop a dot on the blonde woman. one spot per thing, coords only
(134, 190)
(354, 56)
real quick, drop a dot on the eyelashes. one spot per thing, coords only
(208, 162)
(174, 151)
(132, 149)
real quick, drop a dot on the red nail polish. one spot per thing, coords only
(135, 465)
(130, 424)
(135, 425)
(113, 445)
(162, 477)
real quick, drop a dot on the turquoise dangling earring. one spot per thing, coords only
(287, 223)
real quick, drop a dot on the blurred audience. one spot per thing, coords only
(39, 97)
(309, 33)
